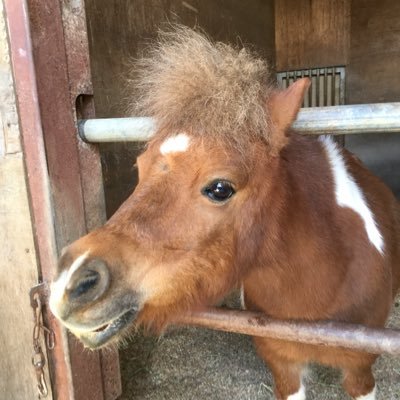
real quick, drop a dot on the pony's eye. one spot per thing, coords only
(219, 191)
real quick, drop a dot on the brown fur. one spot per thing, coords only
(298, 254)
(189, 83)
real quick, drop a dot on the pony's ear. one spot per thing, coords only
(283, 107)
(285, 104)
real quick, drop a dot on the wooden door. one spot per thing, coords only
(18, 255)
(63, 181)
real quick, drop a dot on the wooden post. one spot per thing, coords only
(51, 68)
(18, 229)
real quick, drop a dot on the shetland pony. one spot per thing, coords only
(230, 196)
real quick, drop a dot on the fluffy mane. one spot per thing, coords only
(187, 82)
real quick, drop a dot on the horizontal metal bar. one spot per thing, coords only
(336, 120)
(349, 119)
(354, 337)
(101, 130)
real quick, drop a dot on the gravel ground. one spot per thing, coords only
(192, 364)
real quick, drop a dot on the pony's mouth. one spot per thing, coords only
(105, 333)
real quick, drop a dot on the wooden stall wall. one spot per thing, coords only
(118, 30)
(18, 267)
(364, 36)
(311, 33)
(373, 77)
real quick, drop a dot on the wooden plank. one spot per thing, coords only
(37, 178)
(9, 129)
(19, 227)
(58, 46)
(81, 100)
(311, 33)
(373, 74)
(18, 255)
(81, 97)
(18, 274)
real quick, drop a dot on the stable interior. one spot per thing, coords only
(361, 35)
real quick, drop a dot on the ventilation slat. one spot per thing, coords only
(327, 85)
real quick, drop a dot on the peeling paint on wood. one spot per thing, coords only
(9, 134)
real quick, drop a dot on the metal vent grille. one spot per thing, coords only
(327, 85)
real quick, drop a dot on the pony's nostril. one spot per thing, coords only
(88, 282)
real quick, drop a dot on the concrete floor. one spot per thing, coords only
(194, 364)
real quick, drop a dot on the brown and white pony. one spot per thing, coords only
(229, 196)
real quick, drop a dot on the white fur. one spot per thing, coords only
(58, 287)
(57, 292)
(369, 396)
(348, 193)
(76, 264)
(300, 395)
(175, 144)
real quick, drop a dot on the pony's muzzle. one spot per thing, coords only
(80, 286)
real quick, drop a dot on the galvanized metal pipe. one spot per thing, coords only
(349, 119)
(355, 337)
(336, 120)
(101, 130)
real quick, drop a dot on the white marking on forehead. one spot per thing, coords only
(369, 396)
(349, 194)
(300, 395)
(175, 144)
(58, 287)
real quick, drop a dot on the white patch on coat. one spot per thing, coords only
(58, 287)
(349, 194)
(175, 144)
(300, 395)
(369, 396)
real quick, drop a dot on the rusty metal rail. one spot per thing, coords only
(355, 337)
(335, 120)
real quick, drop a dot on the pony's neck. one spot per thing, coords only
(301, 204)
